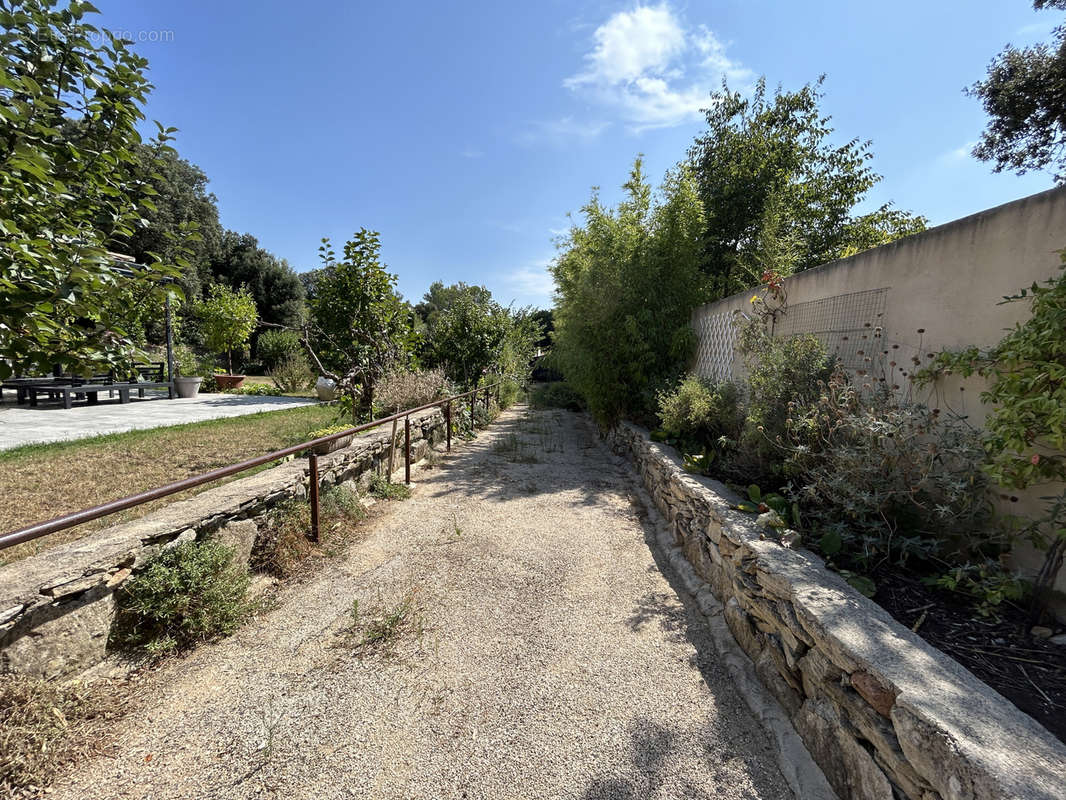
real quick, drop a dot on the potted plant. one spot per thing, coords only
(336, 444)
(187, 381)
(229, 317)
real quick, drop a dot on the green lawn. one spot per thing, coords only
(38, 482)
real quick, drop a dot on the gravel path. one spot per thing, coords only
(556, 660)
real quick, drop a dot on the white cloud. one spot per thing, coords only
(472, 152)
(563, 131)
(958, 154)
(529, 285)
(648, 67)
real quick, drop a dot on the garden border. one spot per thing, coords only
(878, 708)
(57, 607)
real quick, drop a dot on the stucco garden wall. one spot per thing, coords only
(57, 607)
(941, 289)
(882, 712)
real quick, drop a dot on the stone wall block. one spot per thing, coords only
(740, 626)
(850, 769)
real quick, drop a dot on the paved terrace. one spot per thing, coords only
(21, 425)
(559, 657)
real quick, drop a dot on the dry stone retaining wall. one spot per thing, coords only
(883, 713)
(57, 607)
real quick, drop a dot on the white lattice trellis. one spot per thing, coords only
(716, 336)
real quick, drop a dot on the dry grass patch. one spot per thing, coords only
(43, 727)
(38, 482)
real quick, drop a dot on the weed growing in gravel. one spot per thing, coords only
(43, 725)
(186, 594)
(514, 449)
(379, 629)
(384, 490)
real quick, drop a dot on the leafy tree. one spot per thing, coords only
(229, 317)
(777, 194)
(627, 281)
(467, 336)
(1025, 96)
(359, 326)
(64, 197)
(278, 291)
(180, 199)
(440, 298)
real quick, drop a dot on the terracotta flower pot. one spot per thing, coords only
(229, 381)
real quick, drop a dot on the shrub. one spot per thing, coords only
(402, 389)
(783, 374)
(187, 594)
(274, 346)
(293, 374)
(558, 394)
(385, 490)
(886, 481)
(700, 413)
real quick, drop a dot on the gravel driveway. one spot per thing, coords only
(556, 660)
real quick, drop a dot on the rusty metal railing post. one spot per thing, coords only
(406, 449)
(312, 490)
(448, 423)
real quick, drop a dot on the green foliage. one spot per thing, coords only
(698, 413)
(626, 282)
(71, 97)
(777, 193)
(185, 362)
(187, 594)
(178, 198)
(275, 345)
(292, 374)
(274, 285)
(256, 390)
(339, 503)
(440, 298)
(557, 394)
(468, 336)
(1023, 96)
(360, 327)
(986, 582)
(784, 374)
(384, 489)
(884, 481)
(1025, 443)
(229, 317)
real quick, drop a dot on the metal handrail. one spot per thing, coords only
(75, 518)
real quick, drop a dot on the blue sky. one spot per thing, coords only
(465, 132)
